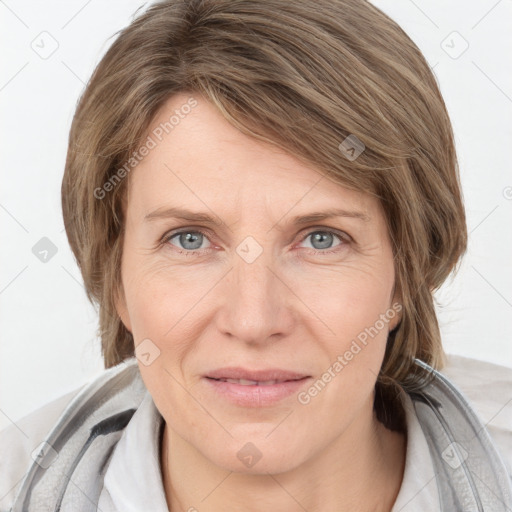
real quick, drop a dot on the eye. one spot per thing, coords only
(190, 242)
(321, 240)
(187, 241)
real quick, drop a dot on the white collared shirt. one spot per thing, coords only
(133, 481)
(418, 491)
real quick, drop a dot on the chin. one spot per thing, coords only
(270, 463)
(256, 454)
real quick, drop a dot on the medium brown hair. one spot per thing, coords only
(302, 75)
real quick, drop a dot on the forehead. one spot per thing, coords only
(197, 158)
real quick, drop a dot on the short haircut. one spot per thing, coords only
(302, 75)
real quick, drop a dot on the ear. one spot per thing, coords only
(121, 307)
(396, 306)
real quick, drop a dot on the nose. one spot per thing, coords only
(255, 306)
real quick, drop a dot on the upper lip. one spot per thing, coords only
(256, 375)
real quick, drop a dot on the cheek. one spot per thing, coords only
(160, 328)
(357, 317)
(162, 315)
(354, 311)
(348, 299)
(156, 294)
(149, 308)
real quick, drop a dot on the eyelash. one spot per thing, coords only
(344, 237)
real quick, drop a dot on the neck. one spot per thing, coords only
(361, 470)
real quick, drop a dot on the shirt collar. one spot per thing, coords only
(418, 491)
(133, 478)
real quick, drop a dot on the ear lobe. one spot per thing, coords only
(396, 319)
(397, 307)
(121, 308)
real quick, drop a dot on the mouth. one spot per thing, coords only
(246, 382)
(254, 388)
(245, 377)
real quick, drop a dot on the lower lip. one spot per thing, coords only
(256, 396)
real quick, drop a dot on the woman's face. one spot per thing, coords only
(299, 308)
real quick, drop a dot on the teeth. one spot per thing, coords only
(245, 382)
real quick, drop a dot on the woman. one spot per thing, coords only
(262, 198)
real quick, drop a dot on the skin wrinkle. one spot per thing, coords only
(289, 308)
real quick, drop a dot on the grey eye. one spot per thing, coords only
(190, 240)
(322, 239)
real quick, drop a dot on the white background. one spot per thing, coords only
(48, 329)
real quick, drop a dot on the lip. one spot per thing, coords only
(236, 372)
(254, 395)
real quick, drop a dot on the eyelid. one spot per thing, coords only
(325, 229)
(173, 232)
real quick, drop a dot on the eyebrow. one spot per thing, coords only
(181, 213)
(327, 214)
(189, 215)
